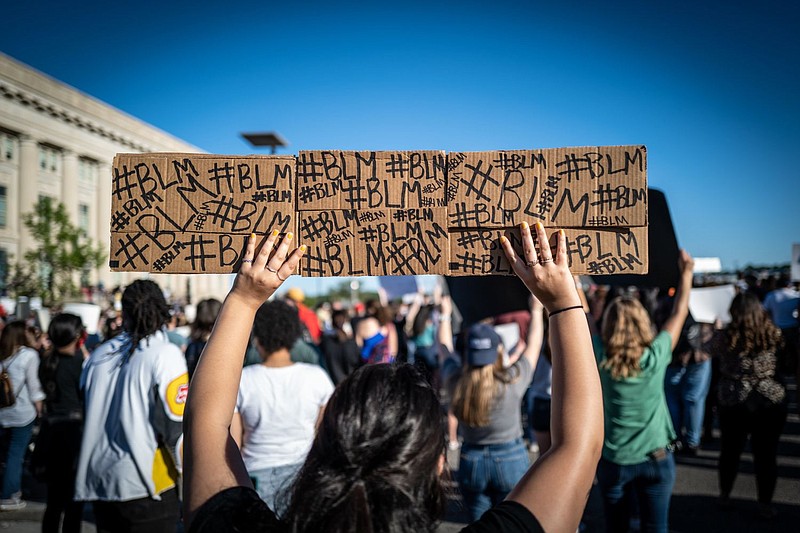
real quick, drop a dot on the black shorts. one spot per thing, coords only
(540, 421)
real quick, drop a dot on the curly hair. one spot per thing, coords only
(626, 332)
(751, 331)
(373, 465)
(144, 311)
(276, 326)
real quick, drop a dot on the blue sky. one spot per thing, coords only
(710, 87)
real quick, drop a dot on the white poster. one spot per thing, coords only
(89, 313)
(707, 304)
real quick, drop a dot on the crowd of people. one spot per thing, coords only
(270, 415)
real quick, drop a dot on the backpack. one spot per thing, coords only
(7, 396)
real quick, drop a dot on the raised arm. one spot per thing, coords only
(556, 487)
(212, 459)
(533, 344)
(680, 307)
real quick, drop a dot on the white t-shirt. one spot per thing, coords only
(279, 409)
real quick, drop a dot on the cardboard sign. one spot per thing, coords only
(383, 213)
(183, 213)
(564, 187)
(590, 251)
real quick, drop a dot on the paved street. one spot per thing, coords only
(694, 502)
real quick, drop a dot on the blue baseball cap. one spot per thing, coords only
(482, 344)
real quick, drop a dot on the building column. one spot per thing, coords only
(103, 217)
(69, 185)
(28, 188)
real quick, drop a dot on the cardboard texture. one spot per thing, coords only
(563, 187)
(374, 242)
(370, 180)
(380, 212)
(590, 251)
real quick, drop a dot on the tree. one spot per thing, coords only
(61, 251)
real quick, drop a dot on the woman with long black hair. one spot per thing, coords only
(377, 460)
(62, 427)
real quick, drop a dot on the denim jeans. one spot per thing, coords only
(486, 474)
(651, 482)
(19, 438)
(686, 390)
(271, 485)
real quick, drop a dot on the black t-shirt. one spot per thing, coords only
(67, 398)
(240, 510)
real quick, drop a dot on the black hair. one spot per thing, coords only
(373, 465)
(64, 329)
(207, 311)
(12, 338)
(276, 326)
(144, 311)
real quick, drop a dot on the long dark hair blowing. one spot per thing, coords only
(12, 338)
(751, 331)
(63, 330)
(144, 311)
(373, 466)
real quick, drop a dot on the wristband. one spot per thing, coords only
(550, 315)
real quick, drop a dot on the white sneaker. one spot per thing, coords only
(12, 504)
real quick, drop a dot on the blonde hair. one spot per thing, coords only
(626, 332)
(477, 389)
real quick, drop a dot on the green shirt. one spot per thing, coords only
(637, 420)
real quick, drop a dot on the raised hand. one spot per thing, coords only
(265, 269)
(546, 276)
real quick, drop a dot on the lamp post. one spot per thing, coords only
(272, 139)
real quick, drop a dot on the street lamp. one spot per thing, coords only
(272, 139)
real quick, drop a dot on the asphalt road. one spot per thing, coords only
(694, 506)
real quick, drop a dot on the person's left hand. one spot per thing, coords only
(264, 270)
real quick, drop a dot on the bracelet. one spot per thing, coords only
(565, 309)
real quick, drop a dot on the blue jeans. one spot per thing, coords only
(486, 474)
(686, 389)
(651, 482)
(19, 438)
(272, 484)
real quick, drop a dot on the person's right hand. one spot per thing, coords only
(263, 272)
(685, 262)
(547, 277)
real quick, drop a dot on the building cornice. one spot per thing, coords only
(30, 88)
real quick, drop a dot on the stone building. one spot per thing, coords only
(59, 142)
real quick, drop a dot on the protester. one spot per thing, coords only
(486, 399)
(751, 401)
(339, 349)
(422, 333)
(783, 304)
(687, 383)
(135, 389)
(21, 362)
(279, 404)
(200, 331)
(377, 459)
(59, 439)
(637, 452)
(375, 336)
(307, 316)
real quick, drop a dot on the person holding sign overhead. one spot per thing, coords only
(377, 460)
